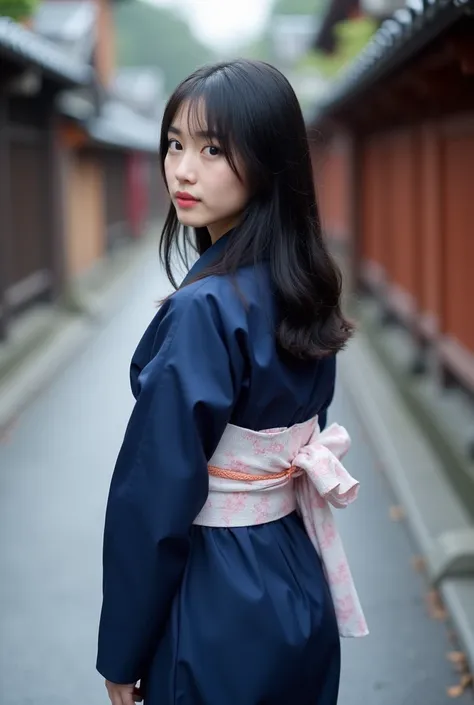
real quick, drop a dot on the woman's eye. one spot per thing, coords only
(174, 145)
(212, 150)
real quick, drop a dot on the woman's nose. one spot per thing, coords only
(186, 170)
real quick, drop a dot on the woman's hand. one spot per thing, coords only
(123, 694)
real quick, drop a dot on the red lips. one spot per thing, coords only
(184, 196)
(185, 200)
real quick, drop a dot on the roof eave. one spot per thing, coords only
(22, 47)
(390, 48)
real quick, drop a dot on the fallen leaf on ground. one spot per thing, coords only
(440, 615)
(418, 563)
(397, 512)
(456, 657)
(7, 431)
(435, 607)
(455, 691)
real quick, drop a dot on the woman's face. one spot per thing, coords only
(204, 189)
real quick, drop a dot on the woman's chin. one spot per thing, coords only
(190, 221)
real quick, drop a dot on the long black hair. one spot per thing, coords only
(254, 111)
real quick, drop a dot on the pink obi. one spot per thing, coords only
(261, 476)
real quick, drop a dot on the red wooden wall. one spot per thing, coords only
(415, 226)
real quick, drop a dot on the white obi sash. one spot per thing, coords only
(261, 476)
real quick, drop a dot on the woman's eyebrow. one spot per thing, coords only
(199, 133)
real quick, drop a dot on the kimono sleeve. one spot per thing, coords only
(160, 482)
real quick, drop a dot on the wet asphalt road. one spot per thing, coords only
(54, 475)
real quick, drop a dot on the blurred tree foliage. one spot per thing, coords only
(352, 36)
(148, 35)
(17, 9)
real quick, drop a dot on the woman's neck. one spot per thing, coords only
(217, 230)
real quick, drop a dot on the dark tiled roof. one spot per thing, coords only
(406, 33)
(22, 46)
(70, 25)
(64, 19)
(140, 86)
(120, 126)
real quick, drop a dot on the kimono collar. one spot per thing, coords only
(208, 257)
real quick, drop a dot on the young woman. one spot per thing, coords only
(225, 582)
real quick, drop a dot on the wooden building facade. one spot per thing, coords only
(395, 179)
(32, 263)
(76, 168)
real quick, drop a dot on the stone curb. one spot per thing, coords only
(414, 472)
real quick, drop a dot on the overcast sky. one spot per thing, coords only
(222, 23)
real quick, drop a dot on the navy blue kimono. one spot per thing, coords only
(213, 616)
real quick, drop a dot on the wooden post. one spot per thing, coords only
(55, 200)
(5, 216)
(355, 209)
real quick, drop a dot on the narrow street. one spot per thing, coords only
(55, 470)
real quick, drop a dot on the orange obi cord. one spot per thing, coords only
(247, 477)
